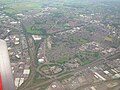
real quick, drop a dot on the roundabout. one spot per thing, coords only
(50, 70)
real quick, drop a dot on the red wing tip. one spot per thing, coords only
(0, 83)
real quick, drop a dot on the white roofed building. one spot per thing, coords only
(26, 71)
(36, 37)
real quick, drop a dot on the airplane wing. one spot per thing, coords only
(0, 83)
(6, 78)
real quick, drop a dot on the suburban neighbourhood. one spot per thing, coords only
(62, 44)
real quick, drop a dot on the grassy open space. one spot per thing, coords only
(21, 7)
(63, 59)
(87, 57)
(36, 31)
(6, 1)
(39, 79)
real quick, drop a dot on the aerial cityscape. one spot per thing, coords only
(62, 44)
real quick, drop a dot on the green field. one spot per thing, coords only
(40, 31)
(6, 1)
(21, 7)
(63, 59)
(87, 57)
(39, 79)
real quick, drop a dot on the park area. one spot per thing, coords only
(18, 7)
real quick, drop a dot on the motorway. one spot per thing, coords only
(31, 54)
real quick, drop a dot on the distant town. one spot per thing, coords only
(62, 44)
